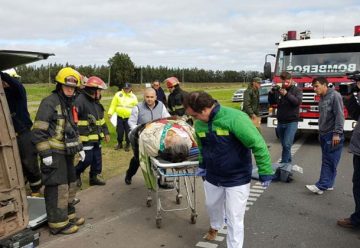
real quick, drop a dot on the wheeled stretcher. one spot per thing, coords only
(182, 176)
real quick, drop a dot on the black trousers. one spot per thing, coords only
(122, 127)
(29, 160)
(134, 141)
(355, 217)
(60, 189)
(93, 158)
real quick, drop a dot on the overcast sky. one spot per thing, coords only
(208, 34)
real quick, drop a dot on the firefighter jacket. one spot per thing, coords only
(225, 143)
(175, 101)
(54, 127)
(91, 124)
(251, 103)
(122, 103)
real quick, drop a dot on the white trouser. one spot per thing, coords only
(229, 201)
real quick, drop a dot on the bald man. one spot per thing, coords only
(148, 110)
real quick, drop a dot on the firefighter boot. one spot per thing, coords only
(95, 180)
(77, 221)
(70, 228)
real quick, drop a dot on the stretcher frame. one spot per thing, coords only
(182, 173)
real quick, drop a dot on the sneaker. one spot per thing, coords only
(314, 189)
(211, 234)
(330, 189)
(346, 222)
(77, 221)
(118, 147)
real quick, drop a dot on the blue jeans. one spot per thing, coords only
(330, 159)
(286, 132)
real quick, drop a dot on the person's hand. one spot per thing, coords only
(47, 161)
(82, 156)
(283, 92)
(200, 172)
(335, 139)
(107, 138)
(266, 183)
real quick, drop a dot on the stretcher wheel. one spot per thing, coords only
(193, 218)
(178, 199)
(148, 202)
(158, 222)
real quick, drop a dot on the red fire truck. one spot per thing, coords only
(307, 58)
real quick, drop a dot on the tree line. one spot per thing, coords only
(121, 69)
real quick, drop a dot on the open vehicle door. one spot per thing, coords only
(14, 214)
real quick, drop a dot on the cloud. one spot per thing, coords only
(209, 34)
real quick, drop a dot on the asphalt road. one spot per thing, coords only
(284, 215)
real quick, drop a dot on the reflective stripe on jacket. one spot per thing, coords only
(122, 104)
(91, 124)
(49, 125)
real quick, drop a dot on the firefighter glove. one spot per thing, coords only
(200, 172)
(47, 161)
(82, 155)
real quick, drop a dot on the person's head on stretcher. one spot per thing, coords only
(170, 139)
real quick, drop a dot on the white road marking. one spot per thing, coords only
(255, 192)
(206, 245)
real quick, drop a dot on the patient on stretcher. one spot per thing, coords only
(170, 139)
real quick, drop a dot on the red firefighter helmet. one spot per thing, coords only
(171, 82)
(95, 82)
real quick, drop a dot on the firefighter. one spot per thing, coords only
(57, 140)
(17, 100)
(122, 103)
(176, 97)
(92, 129)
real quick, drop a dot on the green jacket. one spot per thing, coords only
(251, 103)
(226, 143)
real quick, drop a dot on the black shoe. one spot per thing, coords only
(95, 180)
(127, 147)
(127, 180)
(75, 201)
(78, 182)
(166, 186)
(118, 147)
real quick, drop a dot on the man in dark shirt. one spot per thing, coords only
(17, 100)
(288, 98)
(160, 94)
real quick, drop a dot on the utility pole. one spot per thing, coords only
(109, 75)
(141, 75)
(49, 74)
